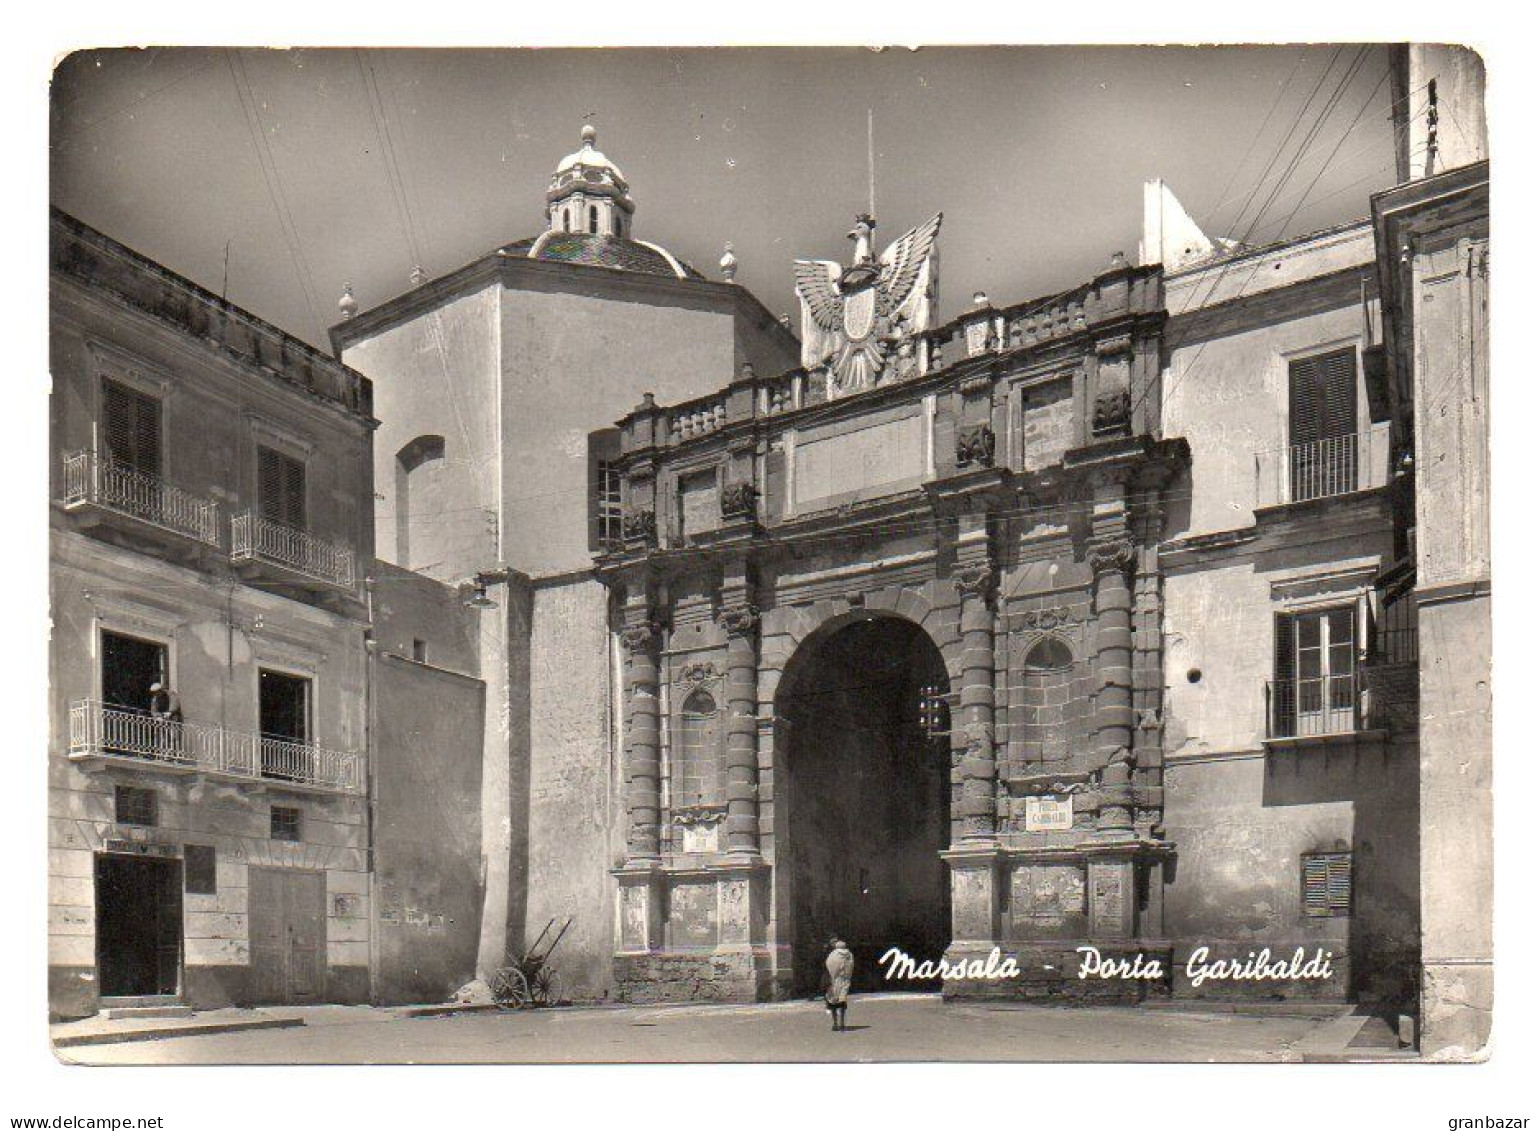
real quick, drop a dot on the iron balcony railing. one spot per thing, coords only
(99, 480)
(254, 538)
(97, 729)
(1317, 707)
(1337, 465)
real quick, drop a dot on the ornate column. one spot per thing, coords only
(976, 700)
(641, 760)
(1111, 561)
(741, 623)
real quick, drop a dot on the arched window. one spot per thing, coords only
(1047, 687)
(420, 502)
(566, 219)
(697, 776)
(593, 220)
(615, 221)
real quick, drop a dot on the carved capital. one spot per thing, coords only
(1109, 347)
(1111, 556)
(738, 499)
(975, 580)
(976, 445)
(640, 522)
(739, 620)
(640, 637)
(1111, 411)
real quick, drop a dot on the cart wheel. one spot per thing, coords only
(547, 987)
(510, 989)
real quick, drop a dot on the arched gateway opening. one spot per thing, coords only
(866, 794)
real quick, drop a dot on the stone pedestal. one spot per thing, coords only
(640, 930)
(1111, 898)
(693, 934)
(975, 897)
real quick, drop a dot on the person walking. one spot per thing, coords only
(841, 965)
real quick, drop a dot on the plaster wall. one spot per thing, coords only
(1461, 77)
(214, 414)
(1456, 700)
(1227, 394)
(437, 375)
(427, 749)
(574, 359)
(574, 830)
(216, 640)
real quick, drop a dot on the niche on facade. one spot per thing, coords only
(1047, 714)
(420, 501)
(696, 779)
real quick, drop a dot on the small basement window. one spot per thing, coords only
(284, 823)
(133, 806)
(1326, 884)
(419, 651)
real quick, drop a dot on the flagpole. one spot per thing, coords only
(871, 168)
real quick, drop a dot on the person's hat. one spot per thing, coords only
(156, 686)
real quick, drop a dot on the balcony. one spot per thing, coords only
(94, 482)
(99, 733)
(1320, 710)
(1338, 465)
(262, 541)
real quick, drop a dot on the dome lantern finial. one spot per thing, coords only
(588, 194)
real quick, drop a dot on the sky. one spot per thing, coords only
(276, 177)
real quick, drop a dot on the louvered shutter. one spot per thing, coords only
(1323, 396)
(1326, 883)
(1285, 700)
(131, 427)
(280, 488)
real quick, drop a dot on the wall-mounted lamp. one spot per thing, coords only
(478, 598)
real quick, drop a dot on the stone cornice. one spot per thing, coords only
(199, 317)
(517, 272)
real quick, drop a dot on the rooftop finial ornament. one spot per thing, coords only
(589, 134)
(419, 276)
(347, 305)
(729, 263)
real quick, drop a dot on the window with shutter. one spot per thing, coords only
(1323, 396)
(1326, 884)
(131, 427)
(1323, 424)
(281, 488)
(1315, 667)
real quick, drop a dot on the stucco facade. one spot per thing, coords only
(1261, 541)
(171, 564)
(1434, 244)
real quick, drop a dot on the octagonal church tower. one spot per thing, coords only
(498, 386)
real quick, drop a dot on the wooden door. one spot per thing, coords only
(286, 911)
(138, 925)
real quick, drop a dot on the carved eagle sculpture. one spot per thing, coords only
(856, 319)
